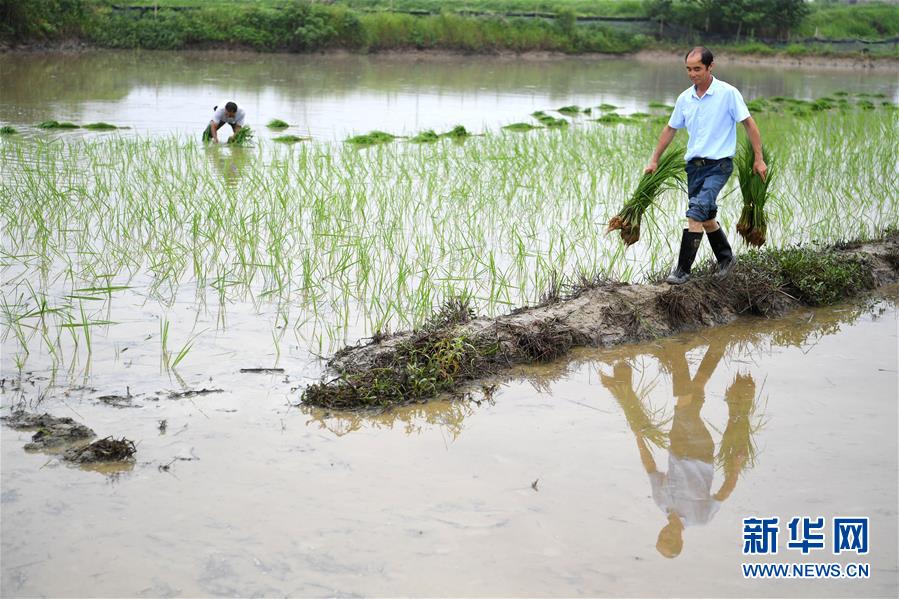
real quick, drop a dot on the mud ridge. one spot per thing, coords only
(51, 431)
(456, 348)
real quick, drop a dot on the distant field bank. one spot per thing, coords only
(479, 26)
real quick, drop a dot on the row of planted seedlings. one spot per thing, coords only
(326, 243)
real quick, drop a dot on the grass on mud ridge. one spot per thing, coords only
(441, 356)
(330, 243)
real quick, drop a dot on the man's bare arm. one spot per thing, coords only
(213, 128)
(665, 139)
(755, 138)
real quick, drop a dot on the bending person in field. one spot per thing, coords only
(229, 114)
(710, 110)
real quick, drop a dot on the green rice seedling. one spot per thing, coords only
(457, 132)
(822, 104)
(7, 130)
(572, 110)
(370, 139)
(639, 115)
(668, 174)
(100, 126)
(521, 127)
(243, 137)
(277, 124)
(57, 125)
(865, 104)
(841, 93)
(607, 107)
(290, 139)
(660, 105)
(207, 134)
(425, 137)
(753, 223)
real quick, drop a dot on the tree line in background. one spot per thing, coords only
(302, 26)
(738, 18)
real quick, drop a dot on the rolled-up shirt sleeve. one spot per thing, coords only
(677, 120)
(738, 107)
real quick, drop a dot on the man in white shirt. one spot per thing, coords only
(710, 110)
(229, 114)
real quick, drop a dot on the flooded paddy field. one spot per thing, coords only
(540, 491)
(183, 296)
(332, 97)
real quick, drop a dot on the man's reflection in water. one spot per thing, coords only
(229, 161)
(684, 491)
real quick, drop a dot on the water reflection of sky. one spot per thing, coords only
(331, 97)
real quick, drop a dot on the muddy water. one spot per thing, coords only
(330, 97)
(556, 486)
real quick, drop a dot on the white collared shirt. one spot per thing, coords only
(711, 120)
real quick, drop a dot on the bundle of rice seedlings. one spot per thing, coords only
(277, 124)
(457, 132)
(242, 137)
(572, 110)
(101, 126)
(425, 137)
(7, 130)
(669, 174)
(611, 118)
(57, 125)
(753, 225)
(372, 138)
(289, 139)
(520, 127)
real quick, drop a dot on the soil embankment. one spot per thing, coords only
(455, 348)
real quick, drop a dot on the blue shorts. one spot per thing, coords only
(704, 183)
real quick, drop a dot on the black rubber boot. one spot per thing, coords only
(689, 245)
(723, 253)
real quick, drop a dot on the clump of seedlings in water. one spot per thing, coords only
(520, 127)
(572, 110)
(669, 174)
(612, 118)
(457, 132)
(289, 139)
(7, 130)
(425, 137)
(100, 126)
(607, 107)
(277, 124)
(753, 224)
(57, 125)
(372, 138)
(549, 121)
